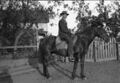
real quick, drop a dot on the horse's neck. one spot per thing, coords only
(87, 35)
(91, 36)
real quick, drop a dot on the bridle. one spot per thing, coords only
(107, 28)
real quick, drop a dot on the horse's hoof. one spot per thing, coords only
(83, 77)
(47, 76)
(72, 78)
(76, 79)
(50, 78)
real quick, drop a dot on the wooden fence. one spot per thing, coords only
(101, 51)
(98, 50)
(18, 51)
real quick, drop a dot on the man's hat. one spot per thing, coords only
(64, 12)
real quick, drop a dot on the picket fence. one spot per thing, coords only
(101, 51)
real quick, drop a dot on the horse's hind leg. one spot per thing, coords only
(45, 65)
(82, 60)
(45, 68)
(75, 66)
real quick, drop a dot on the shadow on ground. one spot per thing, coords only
(66, 72)
(34, 61)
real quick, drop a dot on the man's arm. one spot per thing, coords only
(63, 27)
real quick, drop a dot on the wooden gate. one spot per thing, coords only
(101, 51)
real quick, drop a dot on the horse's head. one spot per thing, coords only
(115, 30)
(103, 32)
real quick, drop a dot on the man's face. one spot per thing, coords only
(65, 16)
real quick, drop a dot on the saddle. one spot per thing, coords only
(61, 44)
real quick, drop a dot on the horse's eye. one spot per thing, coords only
(99, 26)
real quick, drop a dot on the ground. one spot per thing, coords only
(96, 72)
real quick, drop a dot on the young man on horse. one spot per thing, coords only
(64, 32)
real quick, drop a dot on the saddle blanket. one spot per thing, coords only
(61, 44)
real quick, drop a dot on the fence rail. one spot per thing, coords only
(98, 50)
(12, 47)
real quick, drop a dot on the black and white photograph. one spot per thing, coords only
(59, 41)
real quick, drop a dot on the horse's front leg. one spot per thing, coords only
(45, 68)
(75, 66)
(45, 64)
(82, 60)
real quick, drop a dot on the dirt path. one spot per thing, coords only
(104, 72)
(100, 72)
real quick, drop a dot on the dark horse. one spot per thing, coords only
(83, 39)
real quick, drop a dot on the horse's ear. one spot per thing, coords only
(104, 24)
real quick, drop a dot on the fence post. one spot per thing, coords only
(15, 53)
(94, 56)
(117, 50)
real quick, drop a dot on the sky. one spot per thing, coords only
(71, 21)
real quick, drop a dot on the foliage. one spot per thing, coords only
(13, 13)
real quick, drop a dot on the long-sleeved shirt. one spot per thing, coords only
(63, 29)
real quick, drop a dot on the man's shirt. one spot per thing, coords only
(63, 29)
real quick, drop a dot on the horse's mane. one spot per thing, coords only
(87, 28)
(93, 25)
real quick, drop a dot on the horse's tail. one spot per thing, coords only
(40, 53)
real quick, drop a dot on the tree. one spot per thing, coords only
(29, 12)
(22, 14)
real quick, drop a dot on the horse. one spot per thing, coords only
(81, 39)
